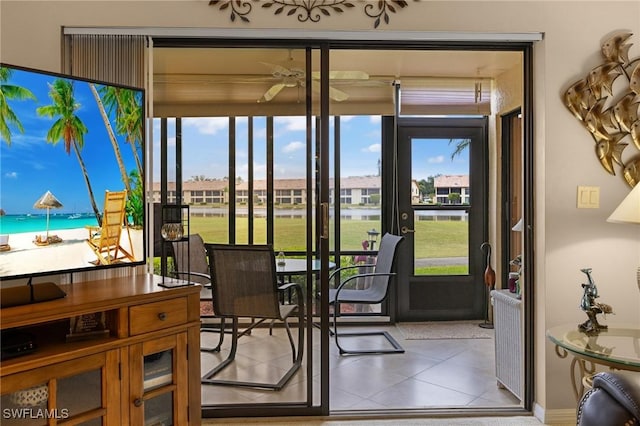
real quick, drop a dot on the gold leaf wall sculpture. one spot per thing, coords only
(611, 118)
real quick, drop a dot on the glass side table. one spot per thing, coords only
(617, 347)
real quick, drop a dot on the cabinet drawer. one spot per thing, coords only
(157, 315)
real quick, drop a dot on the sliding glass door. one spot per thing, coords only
(250, 166)
(300, 147)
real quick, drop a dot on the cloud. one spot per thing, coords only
(292, 147)
(375, 119)
(207, 125)
(288, 171)
(260, 133)
(11, 175)
(372, 148)
(436, 160)
(259, 170)
(292, 123)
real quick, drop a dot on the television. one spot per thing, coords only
(64, 143)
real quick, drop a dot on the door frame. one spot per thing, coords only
(508, 176)
(408, 283)
(525, 46)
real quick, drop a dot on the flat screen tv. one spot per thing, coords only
(64, 143)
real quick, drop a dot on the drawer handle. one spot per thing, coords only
(137, 402)
(162, 316)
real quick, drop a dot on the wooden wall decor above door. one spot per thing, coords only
(311, 11)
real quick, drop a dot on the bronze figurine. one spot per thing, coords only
(592, 308)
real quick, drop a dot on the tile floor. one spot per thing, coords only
(446, 373)
(399, 421)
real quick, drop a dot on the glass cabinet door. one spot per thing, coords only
(158, 369)
(158, 411)
(22, 406)
(73, 396)
(71, 391)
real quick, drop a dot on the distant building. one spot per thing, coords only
(195, 192)
(452, 184)
(354, 190)
(415, 192)
(286, 191)
(358, 190)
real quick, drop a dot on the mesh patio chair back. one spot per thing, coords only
(380, 276)
(244, 281)
(191, 260)
(384, 264)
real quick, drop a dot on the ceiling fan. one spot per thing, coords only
(292, 74)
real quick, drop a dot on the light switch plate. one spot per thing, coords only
(588, 197)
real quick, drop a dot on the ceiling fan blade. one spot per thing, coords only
(277, 70)
(205, 79)
(337, 95)
(343, 75)
(272, 92)
(334, 94)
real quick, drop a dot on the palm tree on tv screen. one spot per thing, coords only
(7, 116)
(127, 106)
(132, 122)
(112, 138)
(68, 127)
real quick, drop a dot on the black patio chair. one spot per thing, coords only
(372, 294)
(245, 285)
(190, 264)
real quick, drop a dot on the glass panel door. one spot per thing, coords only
(248, 168)
(440, 199)
(442, 215)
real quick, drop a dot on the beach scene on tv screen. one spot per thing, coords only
(71, 173)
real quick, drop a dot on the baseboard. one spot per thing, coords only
(565, 416)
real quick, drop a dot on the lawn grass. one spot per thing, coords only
(433, 238)
(443, 270)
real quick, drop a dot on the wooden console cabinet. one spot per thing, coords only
(144, 371)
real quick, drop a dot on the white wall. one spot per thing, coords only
(566, 238)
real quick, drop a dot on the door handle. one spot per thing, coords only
(406, 230)
(325, 221)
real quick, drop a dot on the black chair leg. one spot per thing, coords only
(219, 330)
(232, 354)
(208, 379)
(293, 347)
(396, 348)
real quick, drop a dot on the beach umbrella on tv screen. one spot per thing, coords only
(47, 201)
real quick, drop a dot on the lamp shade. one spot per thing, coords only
(629, 209)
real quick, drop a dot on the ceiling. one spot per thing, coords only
(233, 81)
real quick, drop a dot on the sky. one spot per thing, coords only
(30, 166)
(205, 149)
